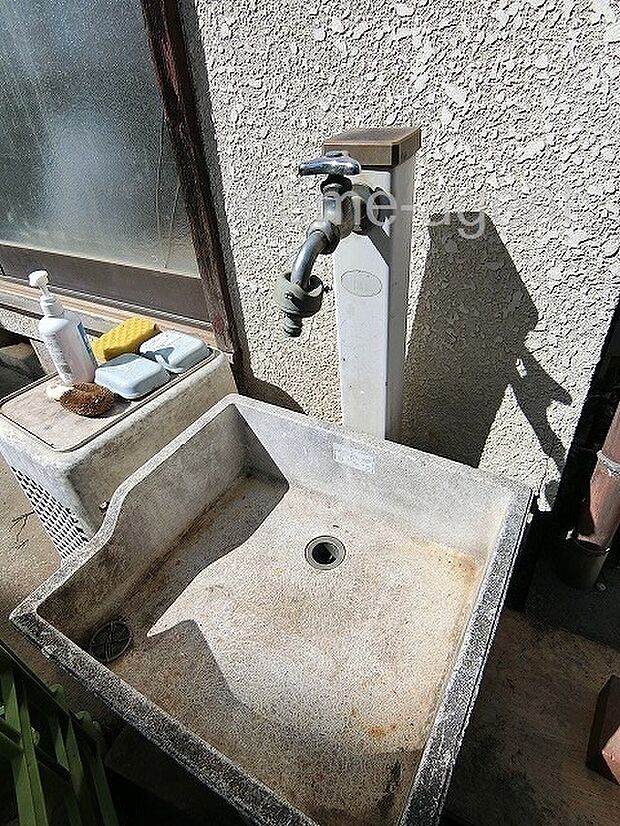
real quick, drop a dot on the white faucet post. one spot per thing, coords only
(371, 283)
(366, 217)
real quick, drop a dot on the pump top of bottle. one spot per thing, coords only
(50, 305)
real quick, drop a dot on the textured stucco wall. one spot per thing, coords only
(519, 104)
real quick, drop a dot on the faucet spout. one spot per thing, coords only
(298, 293)
(316, 243)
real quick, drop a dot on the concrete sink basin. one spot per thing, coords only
(304, 613)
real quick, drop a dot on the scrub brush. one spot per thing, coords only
(87, 400)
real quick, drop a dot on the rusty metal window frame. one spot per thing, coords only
(161, 293)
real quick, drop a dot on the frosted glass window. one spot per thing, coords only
(85, 163)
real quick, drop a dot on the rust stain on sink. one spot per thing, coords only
(278, 664)
(379, 731)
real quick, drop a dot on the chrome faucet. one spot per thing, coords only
(298, 293)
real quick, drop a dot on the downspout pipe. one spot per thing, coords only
(599, 516)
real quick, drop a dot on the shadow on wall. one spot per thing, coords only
(468, 344)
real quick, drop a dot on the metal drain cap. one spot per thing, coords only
(110, 641)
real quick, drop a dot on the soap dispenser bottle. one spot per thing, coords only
(63, 334)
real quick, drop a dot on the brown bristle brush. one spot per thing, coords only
(87, 399)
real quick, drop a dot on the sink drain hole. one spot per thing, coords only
(110, 641)
(325, 552)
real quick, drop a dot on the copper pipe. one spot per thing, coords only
(599, 516)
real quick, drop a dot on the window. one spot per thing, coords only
(88, 185)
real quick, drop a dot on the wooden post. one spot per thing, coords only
(165, 37)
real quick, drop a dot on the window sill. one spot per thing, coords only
(97, 317)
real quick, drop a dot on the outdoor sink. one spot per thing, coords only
(310, 612)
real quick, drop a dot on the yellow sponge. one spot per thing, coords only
(124, 338)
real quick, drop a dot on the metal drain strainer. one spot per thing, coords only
(110, 641)
(325, 552)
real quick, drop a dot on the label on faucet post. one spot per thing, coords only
(361, 283)
(346, 455)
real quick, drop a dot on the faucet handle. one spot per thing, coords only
(335, 162)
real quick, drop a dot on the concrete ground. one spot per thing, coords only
(11, 381)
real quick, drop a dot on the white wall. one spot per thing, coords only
(519, 109)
